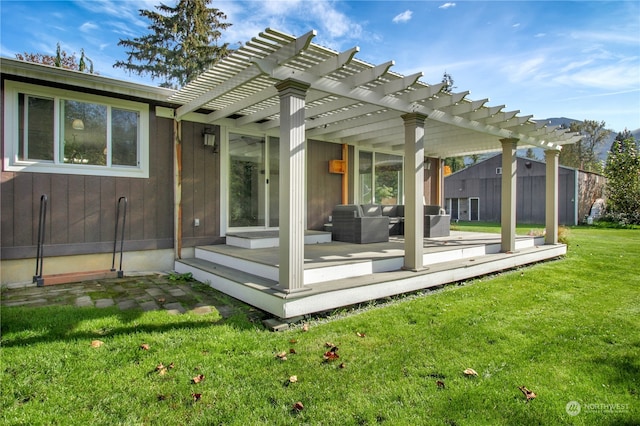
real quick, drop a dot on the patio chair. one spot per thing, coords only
(436, 222)
(357, 224)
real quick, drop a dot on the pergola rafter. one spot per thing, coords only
(351, 101)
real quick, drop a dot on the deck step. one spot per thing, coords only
(271, 239)
(228, 273)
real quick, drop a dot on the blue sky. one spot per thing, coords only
(577, 59)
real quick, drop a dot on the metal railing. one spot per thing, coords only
(122, 201)
(42, 220)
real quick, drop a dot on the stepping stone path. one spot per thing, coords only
(147, 293)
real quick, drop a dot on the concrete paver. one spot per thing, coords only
(84, 301)
(104, 303)
(127, 304)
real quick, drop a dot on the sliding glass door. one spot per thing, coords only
(380, 178)
(253, 181)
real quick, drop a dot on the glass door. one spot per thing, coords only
(274, 182)
(253, 181)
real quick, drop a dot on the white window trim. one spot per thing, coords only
(11, 162)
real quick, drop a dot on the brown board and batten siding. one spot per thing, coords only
(82, 208)
(200, 187)
(324, 189)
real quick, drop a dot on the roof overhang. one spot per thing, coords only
(353, 102)
(82, 80)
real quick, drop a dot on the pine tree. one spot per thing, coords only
(183, 42)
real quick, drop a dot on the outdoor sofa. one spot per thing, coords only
(353, 223)
(366, 223)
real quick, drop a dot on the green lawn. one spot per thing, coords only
(568, 330)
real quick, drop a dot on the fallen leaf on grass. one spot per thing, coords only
(96, 343)
(360, 334)
(298, 406)
(470, 372)
(529, 394)
(329, 345)
(293, 341)
(343, 365)
(144, 346)
(282, 356)
(161, 397)
(305, 327)
(440, 384)
(292, 351)
(293, 379)
(162, 300)
(196, 396)
(330, 356)
(198, 378)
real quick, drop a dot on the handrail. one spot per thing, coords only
(42, 220)
(115, 238)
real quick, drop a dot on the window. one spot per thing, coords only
(380, 178)
(54, 131)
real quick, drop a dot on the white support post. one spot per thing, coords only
(508, 198)
(551, 196)
(292, 183)
(414, 191)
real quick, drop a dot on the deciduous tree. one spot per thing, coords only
(583, 155)
(623, 180)
(182, 44)
(62, 59)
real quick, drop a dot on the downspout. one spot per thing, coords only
(177, 188)
(345, 175)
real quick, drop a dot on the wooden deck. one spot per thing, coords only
(340, 274)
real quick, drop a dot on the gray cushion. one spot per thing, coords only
(371, 210)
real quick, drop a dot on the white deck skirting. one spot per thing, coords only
(340, 274)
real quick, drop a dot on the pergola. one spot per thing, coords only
(278, 81)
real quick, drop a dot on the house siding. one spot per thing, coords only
(82, 208)
(200, 187)
(324, 189)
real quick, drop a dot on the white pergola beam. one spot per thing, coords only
(334, 63)
(252, 71)
(398, 84)
(368, 75)
(422, 93)
(243, 84)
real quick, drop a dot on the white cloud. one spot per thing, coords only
(447, 5)
(88, 27)
(403, 17)
(605, 37)
(516, 25)
(620, 76)
(334, 22)
(526, 70)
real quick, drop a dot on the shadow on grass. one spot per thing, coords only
(21, 326)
